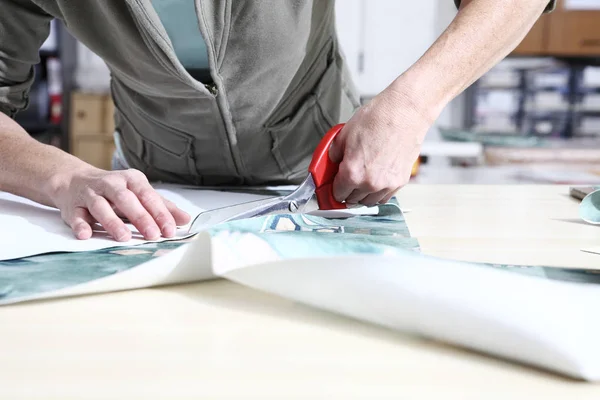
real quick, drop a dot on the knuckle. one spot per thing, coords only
(354, 176)
(122, 196)
(162, 218)
(135, 175)
(148, 196)
(82, 196)
(374, 183)
(140, 219)
(112, 224)
(400, 184)
(96, 203)
(109, 181)
(371, 186)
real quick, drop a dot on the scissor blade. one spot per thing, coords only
(210, 218)
(302, 200)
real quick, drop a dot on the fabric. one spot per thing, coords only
(367, 268)
(280, 82)
(180, 20)
(37, 275)
(118, 162)
(589, 209)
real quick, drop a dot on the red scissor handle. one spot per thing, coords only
(323, 171)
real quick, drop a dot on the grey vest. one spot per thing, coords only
(280, 82)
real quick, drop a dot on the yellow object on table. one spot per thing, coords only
(415, 169)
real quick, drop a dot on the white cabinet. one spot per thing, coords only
(383, 38)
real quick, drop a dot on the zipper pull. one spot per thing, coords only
(212, 88)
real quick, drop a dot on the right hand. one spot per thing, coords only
(92, 195)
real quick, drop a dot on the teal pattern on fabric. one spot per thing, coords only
(291, 236)
(180, 20)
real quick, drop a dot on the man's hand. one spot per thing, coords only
(378, 147)
(94, 195)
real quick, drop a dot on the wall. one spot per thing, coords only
(390, 35)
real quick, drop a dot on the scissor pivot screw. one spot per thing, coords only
(293, 207)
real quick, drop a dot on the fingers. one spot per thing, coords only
(156, 216)
(101, 211)
(357, 186)
(80, 222)
(113, 196)
(375, 198)
(129, 204)
(180, 216)
(345, 182)
(389, 196)
(336, 151)
(357, 196)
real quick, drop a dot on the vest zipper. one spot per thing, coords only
(212, 88)
(142, 15)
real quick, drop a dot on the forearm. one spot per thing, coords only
(29, 168)
(482, 34)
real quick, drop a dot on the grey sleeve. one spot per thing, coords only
(23, 29)
(549, 8)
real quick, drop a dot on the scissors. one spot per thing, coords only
(315, 193)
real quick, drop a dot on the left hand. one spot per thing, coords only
(378, 147)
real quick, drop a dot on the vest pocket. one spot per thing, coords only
(159, 148)
(295, 138)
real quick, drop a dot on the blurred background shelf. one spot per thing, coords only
(47, 116)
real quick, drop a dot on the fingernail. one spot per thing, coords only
(122, 234)
(152, 232)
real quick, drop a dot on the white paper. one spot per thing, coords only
(28, 228)
(582, 5)
(593, 250)
(548, 324)
(544, 323)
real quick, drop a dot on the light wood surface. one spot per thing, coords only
(220, 340)
(507, 224)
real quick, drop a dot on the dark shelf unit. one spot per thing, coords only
(42, 128)
(576, 66)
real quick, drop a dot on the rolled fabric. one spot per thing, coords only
(589, 210)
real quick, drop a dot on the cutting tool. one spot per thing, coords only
(315, 193)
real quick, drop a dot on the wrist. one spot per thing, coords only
(413, 92)
(60, 179)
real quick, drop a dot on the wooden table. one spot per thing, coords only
(220, 340)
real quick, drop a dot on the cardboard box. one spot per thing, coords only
(534, 43)
(96, 150)
(92, 128)
(574, 32)
(91, 114)
(109, 116)
(87, 114)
